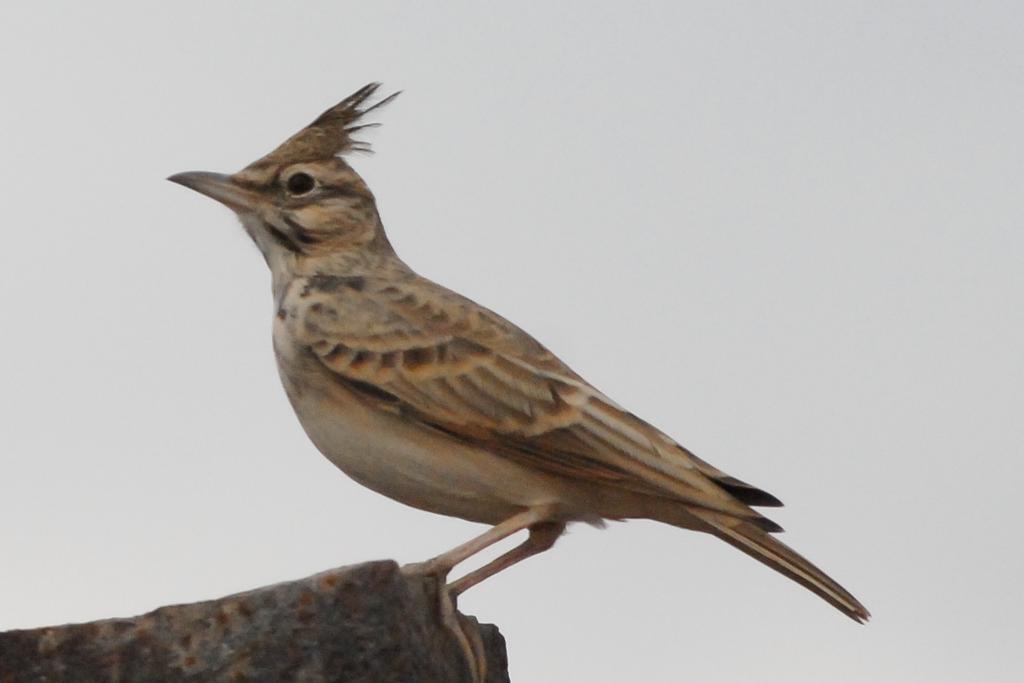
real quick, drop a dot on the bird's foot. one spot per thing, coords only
(467, 634)
(464, 629)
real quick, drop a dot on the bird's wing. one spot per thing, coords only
(418, 349)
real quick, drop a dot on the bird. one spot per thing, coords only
(431, 399)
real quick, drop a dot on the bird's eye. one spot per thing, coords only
(300, 183)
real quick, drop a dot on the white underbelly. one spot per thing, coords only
(414, 464)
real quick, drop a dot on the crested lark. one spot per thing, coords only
(435, 401)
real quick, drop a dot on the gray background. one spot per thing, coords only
(789, 234)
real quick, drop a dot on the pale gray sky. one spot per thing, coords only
(809, 215)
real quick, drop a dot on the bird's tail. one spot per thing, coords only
(763, 547)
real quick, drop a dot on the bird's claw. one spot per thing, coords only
(465, 629)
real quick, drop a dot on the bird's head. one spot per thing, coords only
(303, 201)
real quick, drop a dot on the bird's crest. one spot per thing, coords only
(331, 133)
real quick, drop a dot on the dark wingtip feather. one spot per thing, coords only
(747, 494)
(765, 524)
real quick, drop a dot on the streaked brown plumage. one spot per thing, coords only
(431, 399)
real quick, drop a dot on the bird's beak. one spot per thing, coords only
(218, 186)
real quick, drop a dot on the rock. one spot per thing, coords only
(364, 623)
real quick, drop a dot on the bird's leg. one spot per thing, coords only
(443, 564)
(465, 632)
(542, 536)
